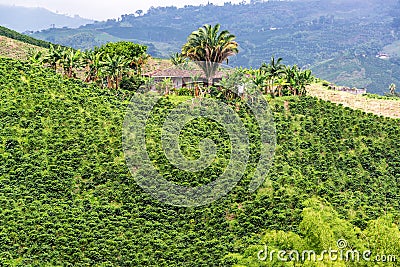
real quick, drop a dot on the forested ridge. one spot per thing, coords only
(68, 198)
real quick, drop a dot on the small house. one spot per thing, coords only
(183, 77)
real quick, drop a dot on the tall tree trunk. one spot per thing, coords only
(272, 87)
(109, 82)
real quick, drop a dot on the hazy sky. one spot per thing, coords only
(105, 9)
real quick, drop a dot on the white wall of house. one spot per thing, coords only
(178, 82)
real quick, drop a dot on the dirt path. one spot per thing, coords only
(388, 108)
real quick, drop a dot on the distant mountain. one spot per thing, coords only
(302, 32)
(364, 71)
(23, 19)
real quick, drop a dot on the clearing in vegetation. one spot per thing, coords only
(382, 107)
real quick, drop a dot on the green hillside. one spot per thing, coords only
(10, 48)
(361, 72)
(68, 199)
(23, 38)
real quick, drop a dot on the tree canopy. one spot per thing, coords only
(134, 53)
(211, 45)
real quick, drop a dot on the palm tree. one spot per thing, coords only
(298, 79)
(210, 47)
(274, 70)
(291, 79)
(54, 56)
(165, 86)
(281, 82)
(36, 57)
(208, 44)
(71, 59)
(93, 65)
(115, 67)
(304, 78)
(137, 62)
(177, 59)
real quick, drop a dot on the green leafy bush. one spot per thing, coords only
(67, 197)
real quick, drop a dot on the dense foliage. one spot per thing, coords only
(67, 197)
(135, 54)
(105, 65)
(321, 230)
(209, 44)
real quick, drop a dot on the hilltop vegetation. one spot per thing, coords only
(68, 198)
(302, 32)
(120, 64)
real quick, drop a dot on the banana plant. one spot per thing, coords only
(177, 59)
(165, 86)
(260, 79)
(93, 65)
(280, 84)
(71, 61)
(114, 68)
(37, 58)
(54, 56)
